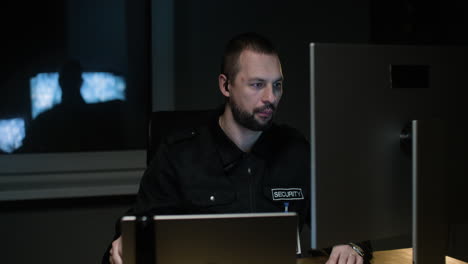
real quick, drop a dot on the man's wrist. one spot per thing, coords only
(357, 249)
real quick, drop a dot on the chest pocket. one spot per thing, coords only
(207, 198)
(289, 198)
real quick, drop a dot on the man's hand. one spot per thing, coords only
(344, 254)
(115, 254)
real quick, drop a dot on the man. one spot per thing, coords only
(242, 161)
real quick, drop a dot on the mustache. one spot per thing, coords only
(265, 107)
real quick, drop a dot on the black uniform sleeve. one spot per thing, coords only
(368, 251)
(158, 192)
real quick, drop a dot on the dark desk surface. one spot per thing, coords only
(400, 256)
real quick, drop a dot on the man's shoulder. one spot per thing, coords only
(187, 136)
(189, 145)
(176, 127)
(180, 136)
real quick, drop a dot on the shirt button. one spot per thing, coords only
(212, 198)
(249, 171)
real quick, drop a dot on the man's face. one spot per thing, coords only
(256, 90)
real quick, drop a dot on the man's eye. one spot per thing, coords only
(257, 85)
(278, 85)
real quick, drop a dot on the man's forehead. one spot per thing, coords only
(254, 65)
(248, 54)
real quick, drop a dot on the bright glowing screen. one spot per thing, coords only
(97, 87)
(12, 133)
(101, 87)
(45, 92)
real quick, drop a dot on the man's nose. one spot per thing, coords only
(268, 94)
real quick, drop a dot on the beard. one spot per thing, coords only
(247, 119)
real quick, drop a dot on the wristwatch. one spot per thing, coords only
(357, 248)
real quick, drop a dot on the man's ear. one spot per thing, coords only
(223, 84)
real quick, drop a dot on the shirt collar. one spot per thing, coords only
(228, 150)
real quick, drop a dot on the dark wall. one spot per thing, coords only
(419, 22)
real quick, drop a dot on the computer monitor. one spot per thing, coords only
(362, 99)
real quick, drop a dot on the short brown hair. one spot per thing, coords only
(245, 41)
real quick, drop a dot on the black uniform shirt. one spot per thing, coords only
(202, 171)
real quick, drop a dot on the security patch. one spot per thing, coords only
(287, 194)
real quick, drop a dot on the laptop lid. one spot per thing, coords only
(213, 238)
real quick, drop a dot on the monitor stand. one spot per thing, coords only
(429, 224)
